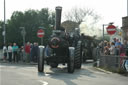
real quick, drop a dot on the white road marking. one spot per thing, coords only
(43, 82)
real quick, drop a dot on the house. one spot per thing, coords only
(125, 27)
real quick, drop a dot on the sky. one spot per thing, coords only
(109, 10)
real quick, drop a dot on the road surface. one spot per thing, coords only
(25, 74)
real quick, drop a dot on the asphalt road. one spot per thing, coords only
(24, 74)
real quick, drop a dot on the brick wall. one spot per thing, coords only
(125, 27)
(125, 22)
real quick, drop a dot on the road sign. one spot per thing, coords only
(40, 33)
(111, 29)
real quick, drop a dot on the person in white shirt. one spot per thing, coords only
(4, 52)
(112, 49)
(10, 52)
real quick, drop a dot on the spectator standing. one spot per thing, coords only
(10, 52)
(118, 43)
(126, 48)
(106, 49)
(122, 50)
(122, 54)
(15, 52)
(22, 54)
(47, 51)
(114, 40)
(117, 47)
(31, 46)
(27, 51)
(112, 48)
(5, 52)
(35, 52)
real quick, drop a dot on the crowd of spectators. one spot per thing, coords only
(27, 53)
(116, 48)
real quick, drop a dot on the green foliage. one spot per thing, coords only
(1, 37)
(31, 20)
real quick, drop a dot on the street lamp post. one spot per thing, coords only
(127, 7)
(4, 32)
(103, 37)
(23, 33)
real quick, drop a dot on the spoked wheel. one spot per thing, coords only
(71, 67)
(41, 59)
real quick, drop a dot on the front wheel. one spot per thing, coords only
(41, 59)
(71, 66)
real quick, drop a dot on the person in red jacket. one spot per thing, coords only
(27, 51)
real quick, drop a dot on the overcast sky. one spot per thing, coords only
(110, 10)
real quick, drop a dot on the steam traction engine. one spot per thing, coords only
(61, 49)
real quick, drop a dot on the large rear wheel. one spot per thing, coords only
(78, 55)
(41, 59)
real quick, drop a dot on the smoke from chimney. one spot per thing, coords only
(90, 30)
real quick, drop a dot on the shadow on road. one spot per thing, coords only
(62, 74)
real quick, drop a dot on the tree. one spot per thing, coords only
(32, 20)
(1, 37)
(79, 15)
(47, 21)
(13, 32)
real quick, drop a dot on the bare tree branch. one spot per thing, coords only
(78, 15)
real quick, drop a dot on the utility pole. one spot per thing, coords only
(127, 7)
(42, 39)
(104, 34)
(4, 30)
(103, 37)
(23, 33)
